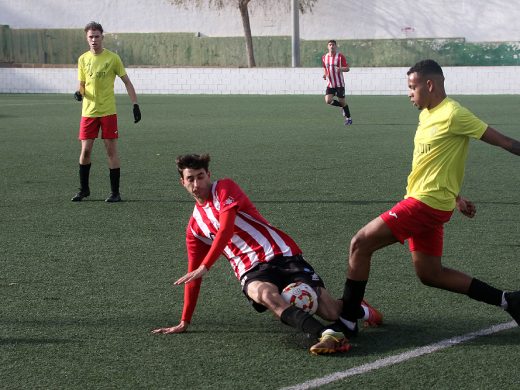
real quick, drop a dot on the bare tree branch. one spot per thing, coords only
(243, 6)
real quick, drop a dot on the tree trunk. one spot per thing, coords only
(242, 5)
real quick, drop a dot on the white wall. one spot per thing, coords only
(300, 81)
(475, 20)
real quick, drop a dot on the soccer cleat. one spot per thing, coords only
(113, 198)
(330, 342)
(80, 195)
(348, 121)
(375, 318)
(513, 305)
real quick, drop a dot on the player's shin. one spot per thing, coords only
(353, 294)
(84, 173)
(115, 174)
(301, 320)
(483, 292)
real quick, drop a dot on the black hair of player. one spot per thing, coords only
(192, 161)
(95, 26)
(426, 67)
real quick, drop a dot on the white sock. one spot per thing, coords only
(504, 302)
(349, 324)
(367, 313)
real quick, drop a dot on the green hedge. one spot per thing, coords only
(63, 46)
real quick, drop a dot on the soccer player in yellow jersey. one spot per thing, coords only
(433, 192)
(97, 70)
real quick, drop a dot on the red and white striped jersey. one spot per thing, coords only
(254, 239)
(332, 63)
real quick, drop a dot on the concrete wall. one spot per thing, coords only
(474, 20)
(300, 81)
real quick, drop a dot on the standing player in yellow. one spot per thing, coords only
(433, 192)
(97, 70)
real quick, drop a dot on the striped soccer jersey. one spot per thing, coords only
(332, 63)
(254, 239)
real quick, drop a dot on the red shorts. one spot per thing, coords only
(420, 224)
(89, 127)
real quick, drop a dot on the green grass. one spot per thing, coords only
(82, 284)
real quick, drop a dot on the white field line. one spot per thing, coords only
(402, 357)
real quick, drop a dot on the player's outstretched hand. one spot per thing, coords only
(137, 113)
(78, 96)
(182, 327)
(198, 273)
(466, 207)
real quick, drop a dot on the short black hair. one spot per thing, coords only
(93, 26)
(332, 41)
(426, 67)
(192, 161)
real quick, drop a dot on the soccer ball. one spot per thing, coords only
(302, 296)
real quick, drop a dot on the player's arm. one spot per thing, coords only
(129, 88)
(496, 138)
(196, 253)
(224, 234)
(325, 73)
(133, 97)
(344, 66)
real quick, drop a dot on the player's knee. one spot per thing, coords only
(358, 243)
(86, 153)
(427, 278)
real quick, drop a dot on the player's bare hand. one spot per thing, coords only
(466, 207)
(181, 328)
(196, 274)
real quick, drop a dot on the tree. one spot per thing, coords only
(243, 6)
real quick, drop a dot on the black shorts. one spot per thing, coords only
(339, 92)
(281, 271)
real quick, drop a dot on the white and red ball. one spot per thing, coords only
(302, 296)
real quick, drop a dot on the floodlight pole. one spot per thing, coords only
(295, 33)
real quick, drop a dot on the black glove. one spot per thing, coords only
(137, 113)
(78, 96)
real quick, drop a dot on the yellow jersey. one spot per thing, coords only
(99, 71)
(440, 152)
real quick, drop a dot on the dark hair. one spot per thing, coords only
(192, 161)
(426, 67)
(332, 41)
(94, 26)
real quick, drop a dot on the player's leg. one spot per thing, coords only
(345, 108)
(329, 98)
(267, 294)
(84, 169)
(110, 135)
(329, 308)
(115, 170)
(88, 132)
(432, 273)
(373, 236)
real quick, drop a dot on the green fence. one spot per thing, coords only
(63, 46)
